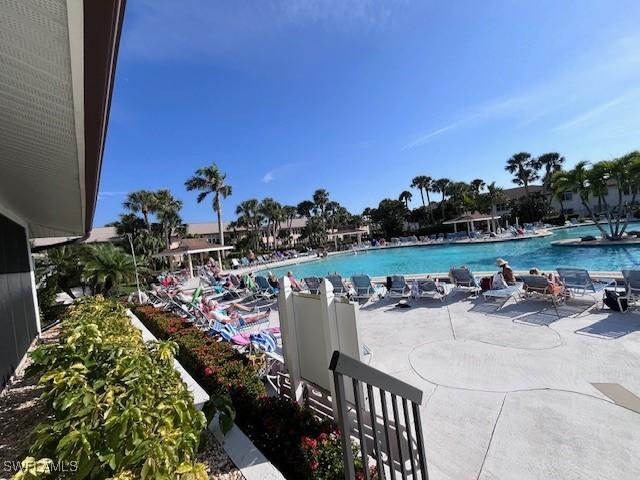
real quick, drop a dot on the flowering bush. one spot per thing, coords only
(282, 430)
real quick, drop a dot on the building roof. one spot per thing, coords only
(58, 63)
(211, 228)
(192, 245)
(518, 192)
(468, 217)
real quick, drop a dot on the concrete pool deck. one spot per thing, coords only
(516, 393)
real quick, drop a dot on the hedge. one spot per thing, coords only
(289, 435)
(118, 407)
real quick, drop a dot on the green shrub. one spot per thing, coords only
(119, 408)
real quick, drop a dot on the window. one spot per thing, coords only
(567, 196)
(569, 211)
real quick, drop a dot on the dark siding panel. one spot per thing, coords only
(17, 314)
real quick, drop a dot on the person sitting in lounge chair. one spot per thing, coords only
(506, 271)
(295, 284)
(226, 313)
(555, 286)
(273, 280)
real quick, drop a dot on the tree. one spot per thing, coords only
(250, 217)
(405, 197)
(167, 210)
(550, 163)
(495, 195)
(304, 208)
(272, 213)
(106, 267)
(424, 184)
(61, 266)
(440, 186)
(524, 168)
(129, 223)
(477, 185)
(577, 180)
(320, 199)
(142, 201)
(391, 216)
(210, 180)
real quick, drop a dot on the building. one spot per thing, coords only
(232, 234)
(571, 203)
(58, 61)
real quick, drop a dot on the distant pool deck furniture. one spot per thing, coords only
(339, 287)
(429, 288)
(193, 246)
(398, 286)
(313, 284)
(463, 279)
(579, 283)
(363, 288)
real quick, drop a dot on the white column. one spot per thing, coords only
(331, 340)
(190, 265)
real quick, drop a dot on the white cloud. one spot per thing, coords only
(268, 177)
(594, 112)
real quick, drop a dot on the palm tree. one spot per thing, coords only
(423, 184)
(406, 197)
(441, 186)
(106, 267)
(495, 196)
(250, 216)
(550, 163)
(210, 180)
(523, 166)
(167, 209)
(142, 201)
(61, 265)
(289, 212)
(477, 185)
(320, 199)
(304, 208)
(272, 212)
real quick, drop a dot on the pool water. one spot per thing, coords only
(521, 255)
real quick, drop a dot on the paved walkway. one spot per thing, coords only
(509, 394)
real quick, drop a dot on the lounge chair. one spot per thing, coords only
(235, 263)
(398, 286)
(463, 279)
(579, 282)
(313, 284)
(429, 288)
(541, 287)
(512, 291)
(264, 288)
(631, 287)
(339, 287)
(363, 288)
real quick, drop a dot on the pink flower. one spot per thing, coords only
(314, 465)
(208, 371)
(309, 443)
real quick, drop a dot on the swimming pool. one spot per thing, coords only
(521, 254)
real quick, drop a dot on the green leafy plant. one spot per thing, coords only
(119, 408)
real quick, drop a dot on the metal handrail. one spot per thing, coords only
(363, 375)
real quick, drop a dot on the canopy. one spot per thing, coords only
(189, 246)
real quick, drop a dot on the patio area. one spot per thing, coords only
(524, 392)
(510, 393)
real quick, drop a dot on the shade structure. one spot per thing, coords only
(190, 246)
(471, 218)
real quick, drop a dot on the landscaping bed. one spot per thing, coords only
(114, 406)
(300, 445)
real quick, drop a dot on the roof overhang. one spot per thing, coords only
(58, 63)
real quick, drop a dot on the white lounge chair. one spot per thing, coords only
(512, 291)
(363, 288)
(631, 287)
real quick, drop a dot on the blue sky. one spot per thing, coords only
(360, 96)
